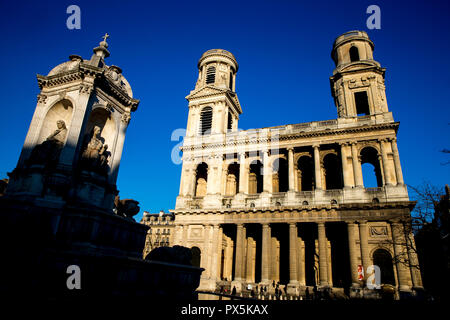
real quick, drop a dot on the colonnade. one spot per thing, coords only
(350, 163)
(232, 256)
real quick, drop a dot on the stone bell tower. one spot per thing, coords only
(74, 144)
(357, 84)
(214, 111)
(213, 104)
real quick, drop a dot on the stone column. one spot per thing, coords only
(184, 235)
(364, 239)
(323, 252)
(265, 258)
(301, 262)
(353, 253)
(178, 236)
(267, 169)
(74, 133)
(345, 173)
(205, 259)
(416, 277)
(357, 171)
(215, 252)
(193, 179)
(293, 254)
(398, 167)
(398, 238)
(384, 156)
(240, 251)
(243, 173)
(34, 130)
(317, 171)
(291, 169)
(250, 267)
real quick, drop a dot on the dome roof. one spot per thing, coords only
(66, 66)
(218, 53)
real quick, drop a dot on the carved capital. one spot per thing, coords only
(126, 117)
(41, 98)
(86, 89)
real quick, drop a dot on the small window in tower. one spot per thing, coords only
(354, 54)
(210, 75)
(205, 121)
(362, 103)
(231, 81)
(230, 121)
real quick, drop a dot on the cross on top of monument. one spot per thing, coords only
(104, 43)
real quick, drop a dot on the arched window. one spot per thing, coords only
(332, 171)
(230, 121)
(370, 166)
(196, 257)
(206, 121)
(201, 180)
(255, 180)
(382, 258)
(232, 179)
(354, 54)
(305, 173)
(211, 75)
(280, 176)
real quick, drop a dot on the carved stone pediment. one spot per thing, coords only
(205, 92)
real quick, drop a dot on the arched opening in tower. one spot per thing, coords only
(201, 180)
(211, 75)
(232, 186)
(255, 179)
(280, 175)
(371, 168)
(332, 172)
(383, 259)
(354, 54)
(305, 173)
(206, 121)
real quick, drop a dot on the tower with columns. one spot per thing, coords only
(289, 205)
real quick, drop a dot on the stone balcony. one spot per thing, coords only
(306, 199)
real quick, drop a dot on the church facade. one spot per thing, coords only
(288, 204)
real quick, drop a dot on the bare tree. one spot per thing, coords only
(427, 197)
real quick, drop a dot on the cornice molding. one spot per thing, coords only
(287, 137)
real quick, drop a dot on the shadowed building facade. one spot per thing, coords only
(160, 232)
(288, 204)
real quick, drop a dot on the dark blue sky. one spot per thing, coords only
(282, 47)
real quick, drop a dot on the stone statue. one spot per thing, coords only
(127, 208)
(95, 155)
(47, 153)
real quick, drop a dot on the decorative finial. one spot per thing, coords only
(104, 43)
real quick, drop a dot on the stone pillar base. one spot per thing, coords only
(293, 289)
(212, 201)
